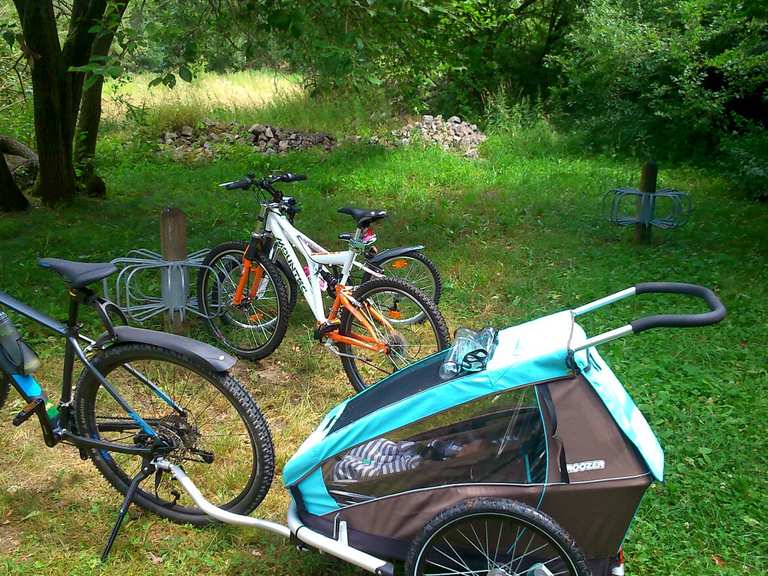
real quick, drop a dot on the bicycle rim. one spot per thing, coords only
(196, 411)
(250, 325)
(407, 342)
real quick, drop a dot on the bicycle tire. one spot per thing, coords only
(539, 524)
(215, 258)
(291, 286)
(437, 282)
(432, 316)
(227, 393)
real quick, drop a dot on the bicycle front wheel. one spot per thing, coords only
(220, 436)
(384, 303)
(254, 327)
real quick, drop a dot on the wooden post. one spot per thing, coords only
(647, 184)
(173, 246)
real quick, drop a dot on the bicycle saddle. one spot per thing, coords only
(78, 274)
(364, 217)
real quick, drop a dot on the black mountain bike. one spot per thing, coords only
(142, 395)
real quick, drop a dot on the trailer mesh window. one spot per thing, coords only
(496, 439)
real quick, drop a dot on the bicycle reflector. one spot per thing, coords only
(400, 264)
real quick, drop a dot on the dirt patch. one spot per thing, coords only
(10, 538)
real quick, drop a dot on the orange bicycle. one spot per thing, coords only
(380, 326)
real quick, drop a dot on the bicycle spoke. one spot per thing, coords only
(210, 425)
(474, 543)
(250, 325)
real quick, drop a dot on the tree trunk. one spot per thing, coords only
(11, 198)
(52, 99)
(85, 141)
(90, 112)
(56, 89)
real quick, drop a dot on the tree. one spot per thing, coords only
(667, 78)
(57, 83)
(90, 107)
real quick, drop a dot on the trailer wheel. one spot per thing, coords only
(494, 537)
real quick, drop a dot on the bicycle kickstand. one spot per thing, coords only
(147, 469)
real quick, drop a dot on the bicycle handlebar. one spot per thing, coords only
(265, 183)
(715, 314)
(243, 184)
(286, 177)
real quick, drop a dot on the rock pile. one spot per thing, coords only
(267, 138)
(451, 134)
(196, 143)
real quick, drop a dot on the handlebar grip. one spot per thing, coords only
(289, 177)
(715, 314)
(243, 184)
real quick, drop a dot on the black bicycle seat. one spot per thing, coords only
(78, 274)
(364, 217)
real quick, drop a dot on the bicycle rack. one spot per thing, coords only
(137, 285)
(621, 207)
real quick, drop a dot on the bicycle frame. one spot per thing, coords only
(289, 240)
(58, 422)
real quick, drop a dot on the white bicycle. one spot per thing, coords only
(381, 326)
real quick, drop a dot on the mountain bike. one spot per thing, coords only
(142, 395)
(380, 326)
(408, 263)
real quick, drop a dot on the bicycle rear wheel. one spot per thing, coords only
(220, 436)
(384, 303)
(414, 268)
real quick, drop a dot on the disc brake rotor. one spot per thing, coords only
(184, 436)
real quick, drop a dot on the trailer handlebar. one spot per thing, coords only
(715, 314)
(716, 311)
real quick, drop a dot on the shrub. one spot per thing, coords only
(746, 158)
(670, 79)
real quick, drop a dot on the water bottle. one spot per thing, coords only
(486, 339)
(462, 343)
(467, 341)
(14, 349)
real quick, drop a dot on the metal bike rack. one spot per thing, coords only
(630, 206)
(138, 283)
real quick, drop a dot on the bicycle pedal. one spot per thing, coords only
(27, 412)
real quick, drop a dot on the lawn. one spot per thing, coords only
(517, 234)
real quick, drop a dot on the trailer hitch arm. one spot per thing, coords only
(338, 548)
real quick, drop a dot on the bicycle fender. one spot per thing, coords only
(209, 355)
(393, 253)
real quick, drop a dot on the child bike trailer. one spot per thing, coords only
(531, 460)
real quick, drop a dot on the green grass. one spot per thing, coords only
(518, 234)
